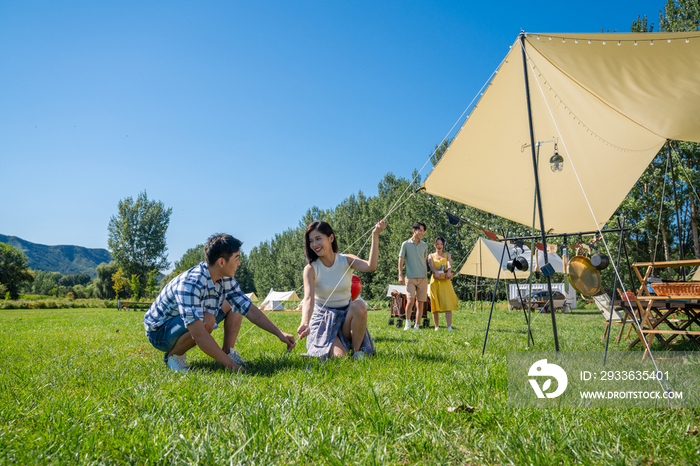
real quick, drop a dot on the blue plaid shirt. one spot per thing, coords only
(191, 294)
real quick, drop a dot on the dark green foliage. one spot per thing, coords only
(190, 258)
(14, 270)
(103, 283)
(151, 284)
(67, 260)
(45, 282)
(244, 275)
(72, 280)
(683, 15)
(137, 236)
(135, 286)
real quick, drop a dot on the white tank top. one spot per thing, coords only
(326, 280)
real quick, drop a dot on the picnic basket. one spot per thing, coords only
(676, 289)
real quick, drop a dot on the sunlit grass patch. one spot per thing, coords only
(85, 386)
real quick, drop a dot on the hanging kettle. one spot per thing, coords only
(519, 263)
(600, 261)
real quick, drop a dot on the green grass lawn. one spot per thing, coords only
(84, 386)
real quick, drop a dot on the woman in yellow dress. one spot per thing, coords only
(442, 295)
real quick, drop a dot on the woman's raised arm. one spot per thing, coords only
(371, 264)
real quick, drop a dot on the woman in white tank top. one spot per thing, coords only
(333, 323)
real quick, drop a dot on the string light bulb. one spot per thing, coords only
(575, 41)
(651, 43)
(589, 41)
(619, 42)
(603, 42)
(687, 40)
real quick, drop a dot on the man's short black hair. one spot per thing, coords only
(417, 225)
(221, 245)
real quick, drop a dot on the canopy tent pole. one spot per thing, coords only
(498, 275)
(537, 192)
(614, 289)
(476, 289)
(675, 201)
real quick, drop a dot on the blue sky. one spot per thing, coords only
(239, 115)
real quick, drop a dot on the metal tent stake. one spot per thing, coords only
(537, 192)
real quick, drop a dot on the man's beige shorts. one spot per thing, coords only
(417, 288)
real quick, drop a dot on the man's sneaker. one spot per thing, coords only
(360, 355)
(416, 327)
(437, 328)
(236, 357)
(450, 328)
(177, 363)
(408, 325)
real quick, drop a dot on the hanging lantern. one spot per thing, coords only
(556, 162)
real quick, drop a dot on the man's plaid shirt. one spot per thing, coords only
(191, 294)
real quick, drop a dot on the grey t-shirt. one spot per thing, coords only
(415, 256)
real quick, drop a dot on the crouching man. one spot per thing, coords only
(189, 308)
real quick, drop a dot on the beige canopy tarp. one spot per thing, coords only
(696, 277)
(252, 297)
(612, 100)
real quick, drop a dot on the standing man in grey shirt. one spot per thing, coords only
(415, 253)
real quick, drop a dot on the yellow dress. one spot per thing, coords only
(442, 295)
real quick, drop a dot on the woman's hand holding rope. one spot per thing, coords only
(303, 331)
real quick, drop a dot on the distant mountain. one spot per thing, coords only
(69, 260)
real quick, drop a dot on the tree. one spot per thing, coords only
(151, 283)
(651, 205)
(137, 235)
(77, 279)
(190, 258)
(14, 270)
(119, 282)
(245, 276)
(103, 283)
(45, 282)
(136, 287)
(683, 15)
